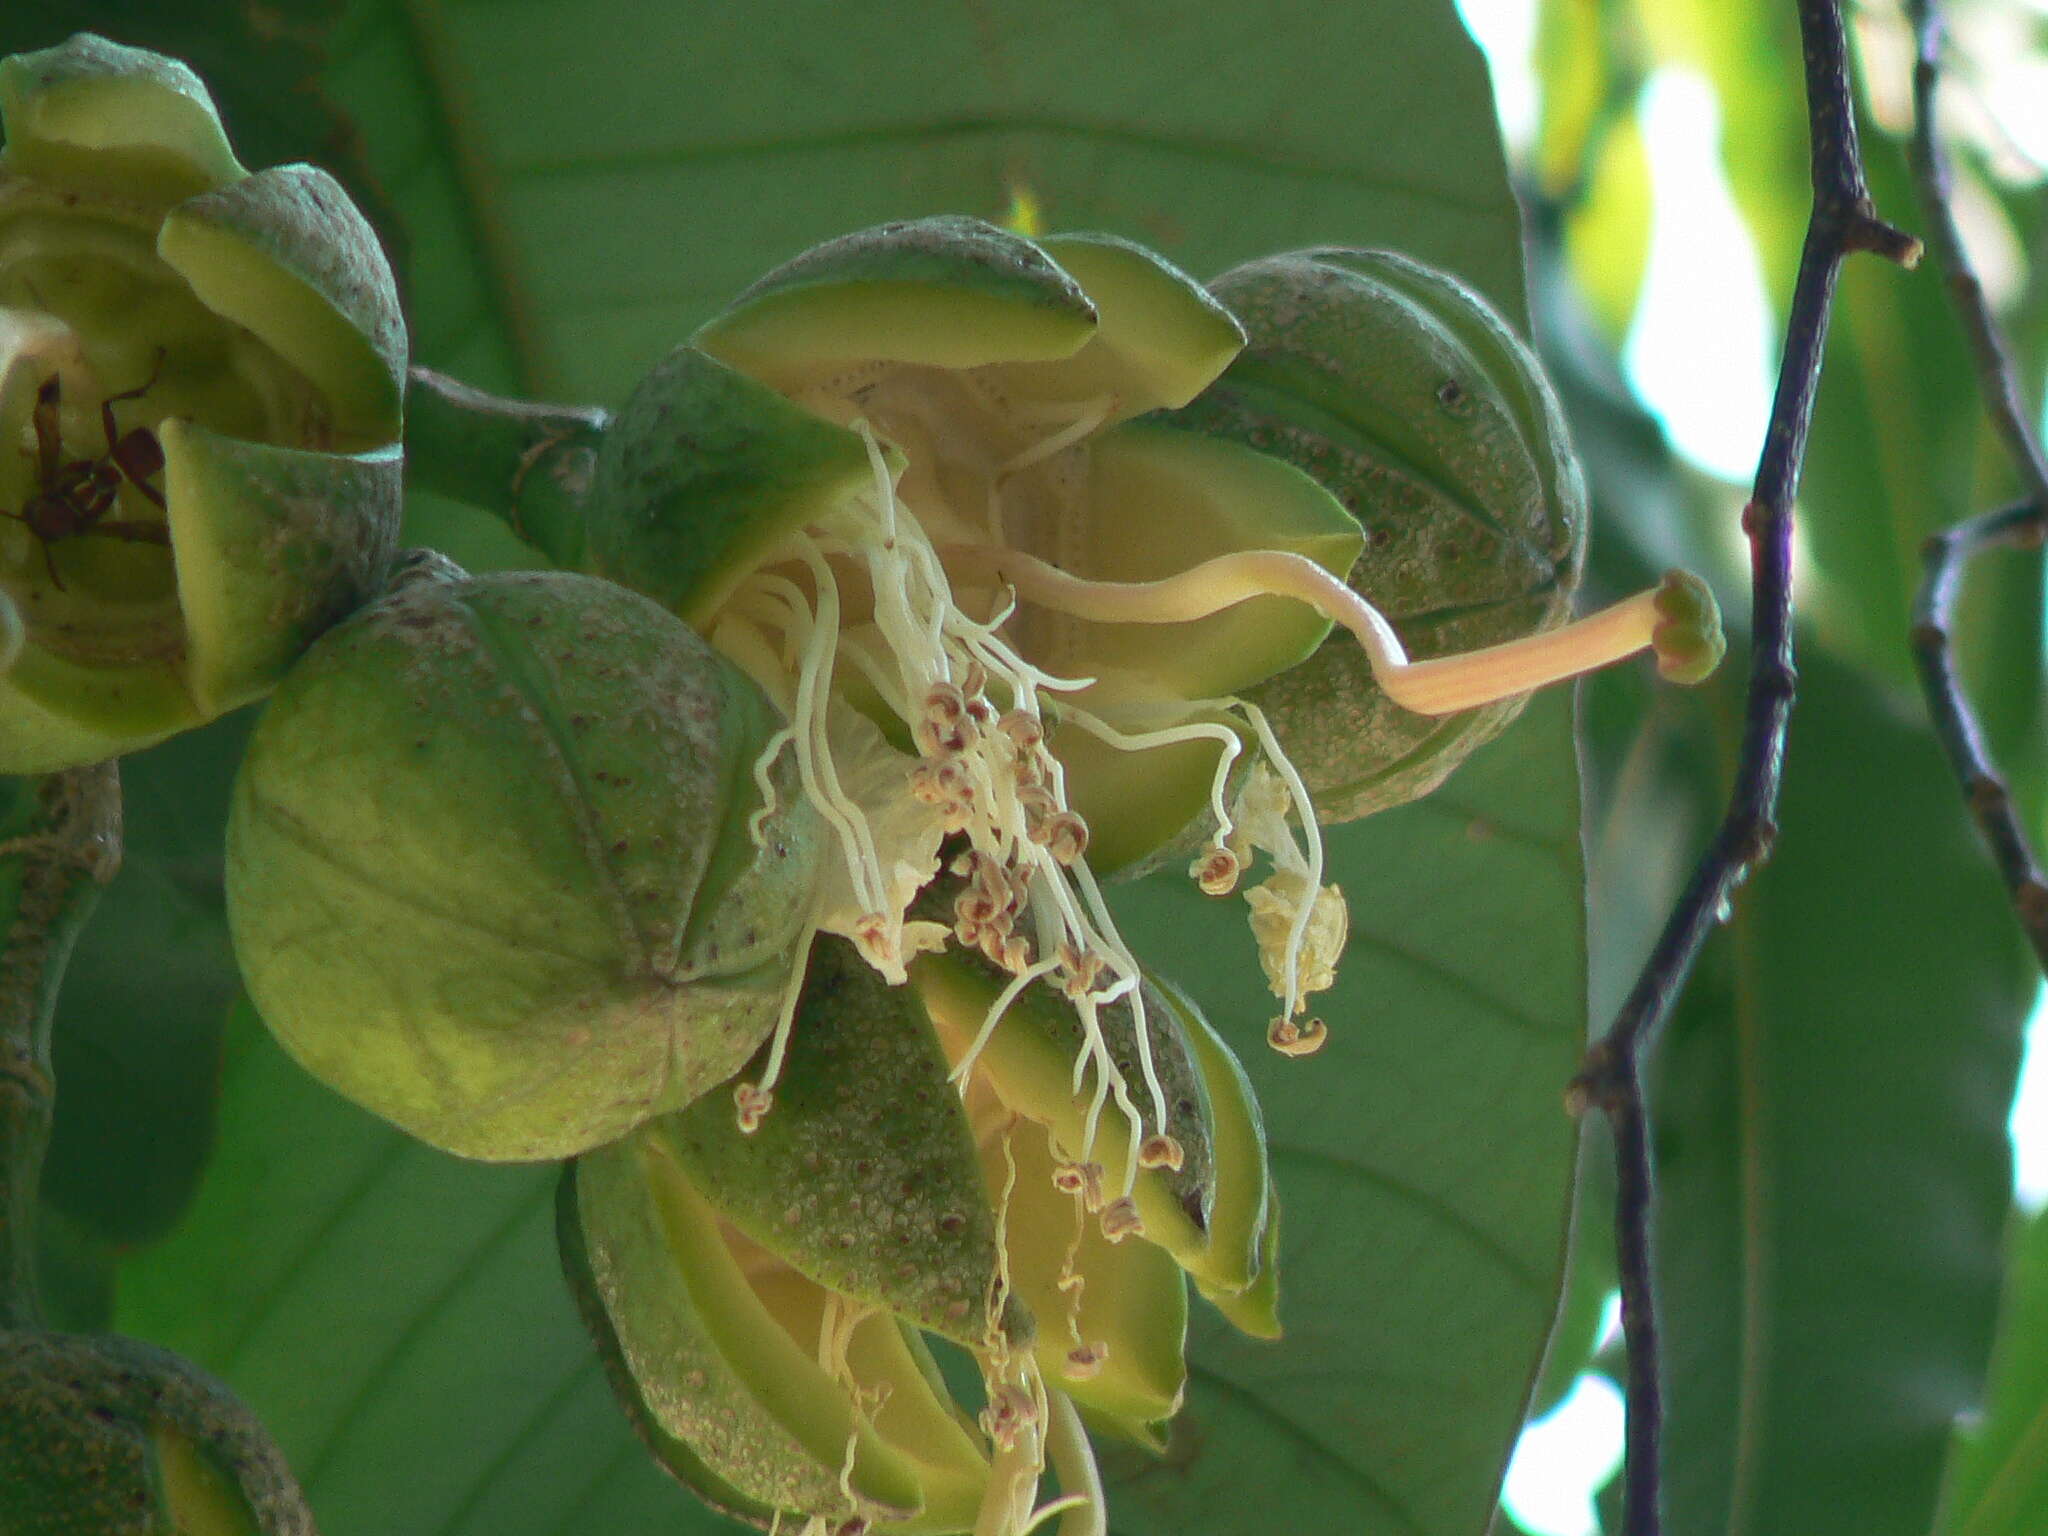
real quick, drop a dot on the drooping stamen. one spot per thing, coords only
(754, 1100)
(1175, 735)
(1312, 867)
(757, 824)
(993, 1017)
(1440, 686)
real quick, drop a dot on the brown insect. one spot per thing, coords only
(73, 498)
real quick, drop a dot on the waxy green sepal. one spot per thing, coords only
(499, 866)
(203, 371)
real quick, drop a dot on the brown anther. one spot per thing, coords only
(967, 932)
(1292, 1039)
(1016, 958)
(944, 702)
(1216, 871)
(1120, 1219)
(926, 787)
(1036, 803)
(872, 938)
(974, 682)
(1022, 729)
(1064, 835)
(1079, 971)
(1091, 1186)
(1084, 1363)
(1009, 1411)
(752, 1104)
(992, 942)
(1160, 1151)
(980, 711)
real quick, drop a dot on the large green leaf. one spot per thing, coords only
(1998, 1479)
(1831, 1103)
(136, 1038)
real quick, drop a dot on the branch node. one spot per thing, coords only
(2031, 898)
(1987, 796)
(1865, 231)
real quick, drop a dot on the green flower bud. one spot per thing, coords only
(201, 373)
(500, 867)
(758, 1271)
(118, 1438)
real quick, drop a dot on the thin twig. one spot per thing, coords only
(2021, 526)
(1843, 220)
(55, 865)
(1955, 724)
(1996, 379)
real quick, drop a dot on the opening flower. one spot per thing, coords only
(908, 482)
(200, 382)
(768, 1300)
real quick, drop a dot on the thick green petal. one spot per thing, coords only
(286, 254)
(863, 1175)
(1029, 1062)
(58, 712)
(1406, 394)
(713, 1364)
(1161, 338)
(93, 116)
(948, 292)
(1132, 1302)
(273, 547)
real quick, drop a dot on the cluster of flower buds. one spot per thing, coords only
(946, 575)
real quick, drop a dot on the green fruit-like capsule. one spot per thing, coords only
(112, 1437)
(500, 866)
(1402, 391)
(201, 373)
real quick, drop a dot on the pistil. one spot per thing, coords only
(1676, 619)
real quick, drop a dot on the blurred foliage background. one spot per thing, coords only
(1857, 1311)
